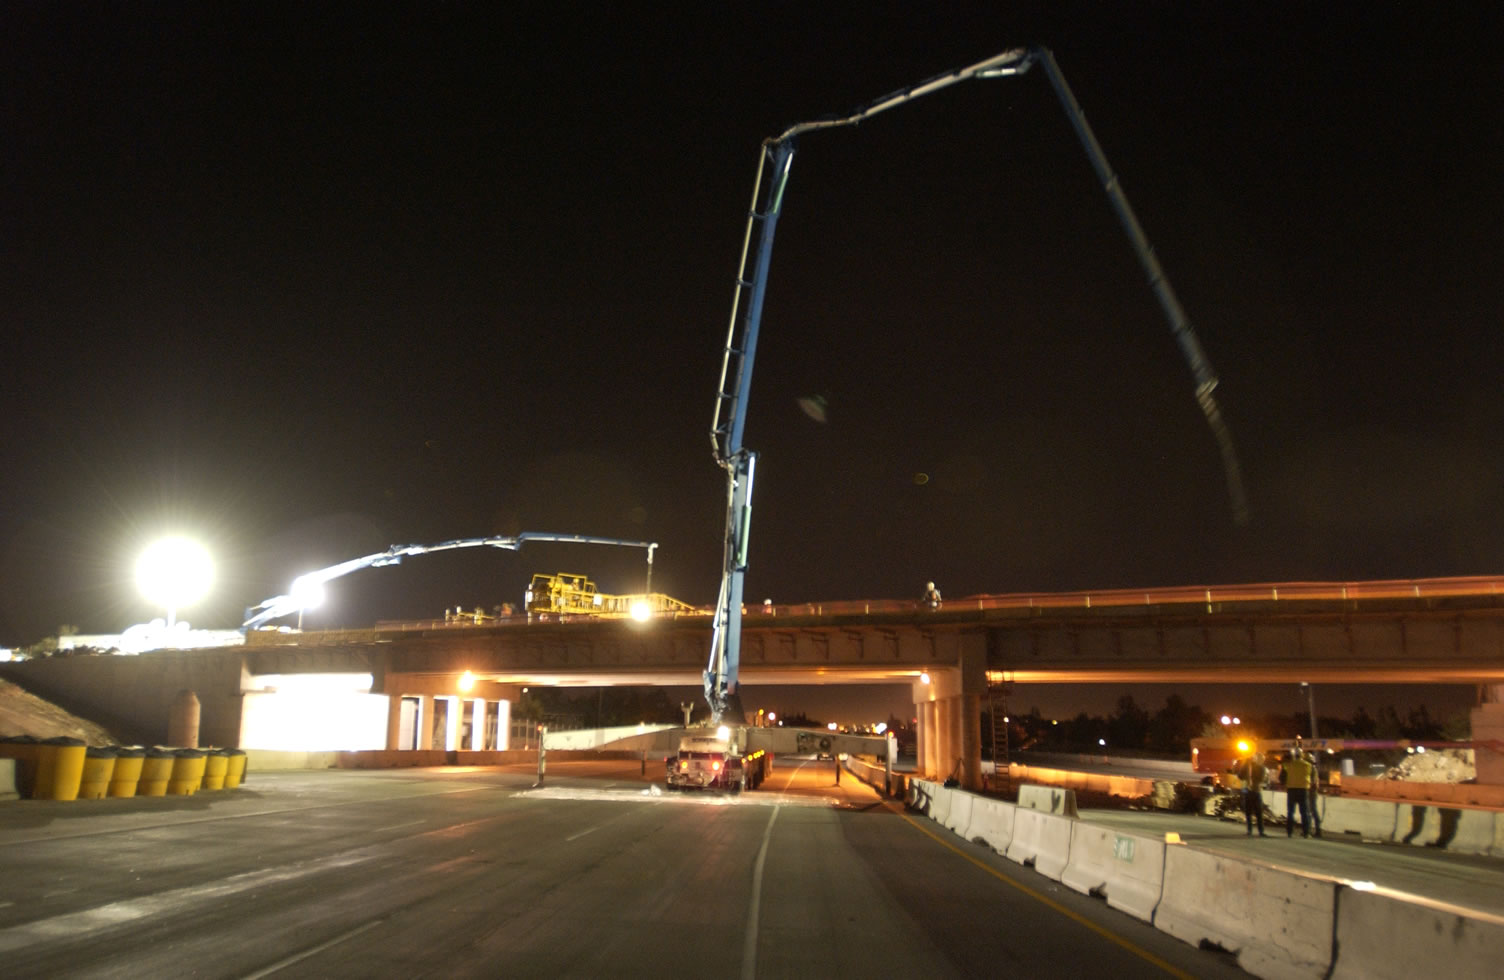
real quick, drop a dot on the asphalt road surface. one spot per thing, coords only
(474, 872)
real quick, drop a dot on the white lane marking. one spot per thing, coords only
(399, 826)
(133, 828)
(299, 957)
(581, 834)
(749, 944)
(73, 925)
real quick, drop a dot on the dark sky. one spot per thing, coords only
(307, 280)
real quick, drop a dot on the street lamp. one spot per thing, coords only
(174, 572)
(1310, 706)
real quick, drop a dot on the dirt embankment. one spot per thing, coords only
(23, 713)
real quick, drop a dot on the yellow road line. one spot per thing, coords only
(1107, 934)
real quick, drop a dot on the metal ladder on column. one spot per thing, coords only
(998, 689)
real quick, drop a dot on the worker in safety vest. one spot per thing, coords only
(1253, 774)
(1297, 776)
(931, 595)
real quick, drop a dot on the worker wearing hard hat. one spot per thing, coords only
(1297, 775)
(1252, 772)
(931, 595)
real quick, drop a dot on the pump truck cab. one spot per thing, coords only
(718, 760)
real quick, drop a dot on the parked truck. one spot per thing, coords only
(718, 760)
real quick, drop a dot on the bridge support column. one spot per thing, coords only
(929, 737)
(945, 737)
(393, 722)
(969, 721)
(425, 721)
(477, 724)
(1488, 726)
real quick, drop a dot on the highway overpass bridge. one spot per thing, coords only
(1411, 632)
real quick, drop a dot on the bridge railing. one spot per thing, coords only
(1208, 596)
(1437, 588)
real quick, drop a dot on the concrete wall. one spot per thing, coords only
(132, 696)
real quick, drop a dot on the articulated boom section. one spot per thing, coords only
(307, 590)
(730, 416)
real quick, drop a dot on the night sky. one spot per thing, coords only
(308, 280)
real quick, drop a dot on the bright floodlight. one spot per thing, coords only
(174, 572)
(308, 592)
(723, 733)
(641, 611)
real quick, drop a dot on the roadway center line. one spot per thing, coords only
(749, 944)
(1079, 919)
(583, 833)
(283, 964)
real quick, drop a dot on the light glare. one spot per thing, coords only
(174, 572)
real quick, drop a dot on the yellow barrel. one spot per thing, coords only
(156, 771)
(99, 769)
(61, 768)
(127, 774)
(25, 750)
(216, 762)
(187, 772)
(235, 771)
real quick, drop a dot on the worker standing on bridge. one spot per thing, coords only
(1296, 775)
(931, 595)
(1253, 774)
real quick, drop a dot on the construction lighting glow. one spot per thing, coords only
(1243, 746)
(641, 611)
(831, 726)
(723, 733)
(467, 681)
(924, 678)
(308, 592)
(174, 572)
(880, 727)
(1226, 720)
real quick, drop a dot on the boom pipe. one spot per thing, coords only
(305, 585)
(726, 435)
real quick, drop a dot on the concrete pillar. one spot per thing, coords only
(477, 724)
(921, 735)
(1488, 726)
(945, 732)
(928, 723)
(425, 721)
(971, 741)
(393, 722)
(452, 722)
(182, 721)
(503, 725)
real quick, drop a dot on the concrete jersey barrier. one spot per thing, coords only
(1380, 936)
(991, 823)
(1278, 923)
(1049, 799)
(1127, 868)
(1041, 839)
(959, 819)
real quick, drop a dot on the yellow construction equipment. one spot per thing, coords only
(571, 594)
